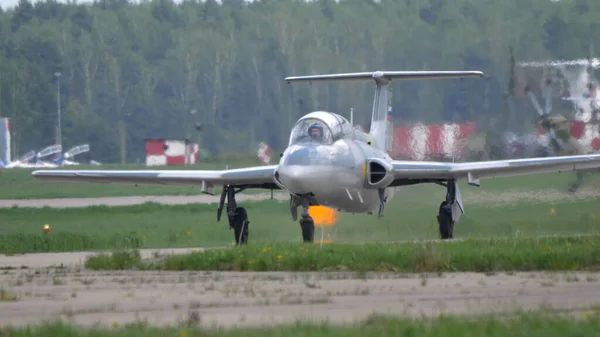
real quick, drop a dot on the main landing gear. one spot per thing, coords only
(574, 185)
(237, 216)
(444, 218)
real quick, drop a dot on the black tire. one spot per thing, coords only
(240, 226)
(308, 229)
(446, 225)
(573, 187)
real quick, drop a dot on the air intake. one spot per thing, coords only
(376, 172)
(379, 173)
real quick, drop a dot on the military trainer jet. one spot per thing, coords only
(330, 163)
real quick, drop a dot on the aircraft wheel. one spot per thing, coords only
(308, 229)
(573, 187)
(240, 226)
(445, 222)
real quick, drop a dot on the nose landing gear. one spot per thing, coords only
(308, 228)
(307, 223)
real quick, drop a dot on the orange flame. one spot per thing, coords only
(323, 216)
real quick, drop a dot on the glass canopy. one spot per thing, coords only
(311, 130)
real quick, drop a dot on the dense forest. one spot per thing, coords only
(158, 69)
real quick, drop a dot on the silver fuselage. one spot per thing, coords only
(333, 173)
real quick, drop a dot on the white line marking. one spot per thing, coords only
(349, 195)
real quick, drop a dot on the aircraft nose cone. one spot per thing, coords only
(296, 178)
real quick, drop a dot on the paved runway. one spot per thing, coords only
(68, 291)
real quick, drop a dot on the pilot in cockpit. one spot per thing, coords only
(315, 131)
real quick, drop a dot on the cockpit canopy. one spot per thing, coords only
(311, 131)
(321, 127)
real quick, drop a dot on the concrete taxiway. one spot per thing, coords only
(51, 286)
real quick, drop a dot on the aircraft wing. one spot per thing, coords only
(257, 176)
(473, 171)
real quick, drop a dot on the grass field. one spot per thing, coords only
(493, 211)
(17, 183)
(525, 324)
(574, 253)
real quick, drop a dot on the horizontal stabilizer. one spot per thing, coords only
(387, 75)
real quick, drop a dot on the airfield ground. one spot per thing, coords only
(510, 212)
(246, 299)
(36, 287)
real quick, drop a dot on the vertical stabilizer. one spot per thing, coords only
(381, 116)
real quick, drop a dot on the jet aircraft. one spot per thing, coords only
(330, 163)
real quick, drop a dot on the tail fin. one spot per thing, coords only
(381, 118)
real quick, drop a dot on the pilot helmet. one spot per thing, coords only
(315, 126)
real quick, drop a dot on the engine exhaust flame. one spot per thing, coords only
(323, 217)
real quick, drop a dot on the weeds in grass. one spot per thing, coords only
(7, 295)
(530, 324)
(116, 261)
(20, 243)
(581, 253)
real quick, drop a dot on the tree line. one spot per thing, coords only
(213, 71)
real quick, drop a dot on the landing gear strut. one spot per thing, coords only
(308, 229)
(574, 185)
(237, 216)
(307, 224)
(444, 218)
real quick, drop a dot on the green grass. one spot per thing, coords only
(409, 216)
(532, 254)
(525, 324)
(18, 243)
(17, 183)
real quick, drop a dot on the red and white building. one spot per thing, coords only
(166, 152)
(434, 141)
